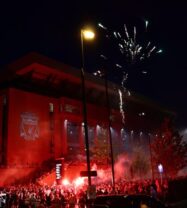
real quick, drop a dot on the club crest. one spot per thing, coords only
(29, 129)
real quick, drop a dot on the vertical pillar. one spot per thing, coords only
(51, 120)
(81, 139)
(151, 156)
(64, 137)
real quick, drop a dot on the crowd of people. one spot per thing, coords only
(33, 195)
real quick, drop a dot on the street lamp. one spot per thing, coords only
(85, 35)
(104, 74)
(160, 170)
(109, 129)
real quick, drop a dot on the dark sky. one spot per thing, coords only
(53, 29)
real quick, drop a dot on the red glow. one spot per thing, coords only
(78, 182)
(65, 182)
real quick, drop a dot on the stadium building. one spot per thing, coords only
(41, 116)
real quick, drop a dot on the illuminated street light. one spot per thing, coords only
(85, 35)
(88, 34)
(160, 170)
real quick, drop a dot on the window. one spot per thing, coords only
(73, 137)
(91, 135)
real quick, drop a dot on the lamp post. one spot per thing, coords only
(109, 129)
(151, 156)
(104, 74)
(87, 35)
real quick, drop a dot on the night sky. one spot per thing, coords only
(52, 28)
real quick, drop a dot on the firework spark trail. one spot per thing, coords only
(159, 51)
(146, 24)
(104, 57)
(102, 26)
(152, 49)
(121, 106)
(121, 103)
(125, 77)
(148, 45)
(126, 32)
(134, 34)
(119, 66)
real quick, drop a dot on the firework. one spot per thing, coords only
(121, 106)
(133, 52)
